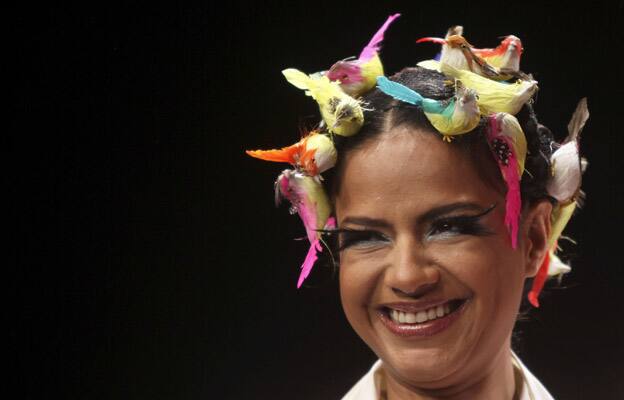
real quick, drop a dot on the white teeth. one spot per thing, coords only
(394, 314)
(421, 316)
(440, 311)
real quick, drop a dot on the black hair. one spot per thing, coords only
(383, 112)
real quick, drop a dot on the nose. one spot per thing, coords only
(412, 273)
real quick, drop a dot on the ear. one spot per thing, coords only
(536, 231)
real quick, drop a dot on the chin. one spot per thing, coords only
(428, 360)
(425, 367)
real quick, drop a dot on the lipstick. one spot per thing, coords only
(422, 329)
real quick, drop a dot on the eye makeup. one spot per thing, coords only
(440, 227)
(360, 238)
(451, 226)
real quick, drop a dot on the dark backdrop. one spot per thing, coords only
(147, 259)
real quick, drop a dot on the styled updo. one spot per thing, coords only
(383, 112)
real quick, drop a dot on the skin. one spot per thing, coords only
(405, 258)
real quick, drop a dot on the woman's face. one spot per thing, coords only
(423, 238)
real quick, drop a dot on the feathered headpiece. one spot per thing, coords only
(490, 89)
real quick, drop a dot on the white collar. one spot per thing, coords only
(370, 386)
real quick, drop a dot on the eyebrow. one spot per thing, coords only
(430, 215)
(366, 221)
(437, 212)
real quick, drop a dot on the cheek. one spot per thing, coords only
(489, 269)
(499, 287)
(358, 283)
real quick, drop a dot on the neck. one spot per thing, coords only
(495, 383)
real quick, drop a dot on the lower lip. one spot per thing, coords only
(425, 329)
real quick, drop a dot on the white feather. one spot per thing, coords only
(557, 267)
(566, 167)
(454, 57)
(325, 155)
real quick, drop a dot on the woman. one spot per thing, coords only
(428, 276)
(445, 200)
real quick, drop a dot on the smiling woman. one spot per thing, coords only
(428, 276)
(447, 197)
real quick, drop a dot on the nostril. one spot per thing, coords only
(418, 292)
(412, 279)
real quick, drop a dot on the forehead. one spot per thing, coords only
(409, 171)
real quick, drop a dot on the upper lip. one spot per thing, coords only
(414, 307)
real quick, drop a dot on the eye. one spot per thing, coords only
(456, 226)
(448, 227)
(360, 239)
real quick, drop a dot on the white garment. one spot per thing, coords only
(369, 386)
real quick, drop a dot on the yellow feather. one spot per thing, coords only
(316, 193)
(452, 126)
(342, 113)
(512, 129)
(494, 96)
(464, 117)
(297, 78)
(559, 219)
(497, 61)
(430, 64)
(370, 71)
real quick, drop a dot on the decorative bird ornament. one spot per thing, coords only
(506, 56)
(307, 198)
(358, 76)
(460, 115)
(565, 186)
(567, 165)
(313, 154)
(509, 147)
(449, 54)
(459, 53)
(493, 96)
(341, 113)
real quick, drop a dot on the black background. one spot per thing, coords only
(147, 260)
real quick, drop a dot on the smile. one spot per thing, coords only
(402, 320)
(401, 317)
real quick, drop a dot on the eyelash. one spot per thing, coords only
(352, 237)
(445, 227)
(460, 225)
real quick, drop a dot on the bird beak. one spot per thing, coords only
(431, 39)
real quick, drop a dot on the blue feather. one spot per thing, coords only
(450, 109)
(399, 91)
(433, 106)
(407, 95)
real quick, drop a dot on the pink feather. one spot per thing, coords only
(309, 261)
(290, 186)
(307, 213)
(513, 202)
(373, 46)
(281, 186)
(312, 256)
(346, 72)
(299, 200)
